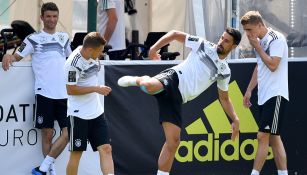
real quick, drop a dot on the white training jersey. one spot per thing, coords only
(82, 72)
(271, 84)
(49, 52)
(117, 40)
(201, 68)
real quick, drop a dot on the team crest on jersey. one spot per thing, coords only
(72, 76)
(265, 44)
(61, 38)
(222, 67)
(22, 47)
(40, 119)
(77, 142)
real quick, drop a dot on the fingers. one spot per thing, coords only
(246, 102)
(154, 55)
(157, 57)
(235, 129)
(105, 90)
(5, 64)
(234, 135)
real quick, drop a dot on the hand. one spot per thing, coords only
(246, 99)
(7, 61)
(253, 40)
(154, 55)
(235, 129)
(104, 90)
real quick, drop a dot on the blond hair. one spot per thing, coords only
(252, 17)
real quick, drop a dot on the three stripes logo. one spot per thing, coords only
(209, 136)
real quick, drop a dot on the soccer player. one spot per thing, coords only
(49, 50)
(271, 75)
(84, 108)
(205, 65)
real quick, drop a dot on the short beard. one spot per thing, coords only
(219, 51)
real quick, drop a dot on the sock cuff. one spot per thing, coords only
(282, 172)
(162, 173)
(49, 158)
(255, 172)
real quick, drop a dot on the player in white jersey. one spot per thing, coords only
(49, 50)
(204, 65)
(111, 25)
(84, 108)
(271, 75)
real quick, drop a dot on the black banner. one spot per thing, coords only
(205, 148)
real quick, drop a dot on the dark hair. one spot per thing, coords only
(251, 17)
(49, 6)
(93, 40)
(236, 34)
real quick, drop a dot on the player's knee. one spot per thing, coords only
(173, 143)
(106, 149)
(47, 135)
(65, 135)
(151, 87)
(263, 137)
(151, 90)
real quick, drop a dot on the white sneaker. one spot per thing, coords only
(52, 169)
(127, 81)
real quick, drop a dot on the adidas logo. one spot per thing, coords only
(267, 127)
(218, 145)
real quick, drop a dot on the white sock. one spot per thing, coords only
(162, 173)
(255, 172)
(46, 163)
(282, 172)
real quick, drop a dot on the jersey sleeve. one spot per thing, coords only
(193, 42)
(106, 4)
(72, 75)
(26, 48)
(223, 84)
(68, 49)
(277, 48)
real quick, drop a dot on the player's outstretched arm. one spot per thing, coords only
(228, 108)
(164, 40)
(80, 90)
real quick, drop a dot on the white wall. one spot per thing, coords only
(158, 16)
(29, 10)
(166, 16)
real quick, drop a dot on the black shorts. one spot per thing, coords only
(169, 100)
(47, 110)
(81, 131)
(271, 115)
